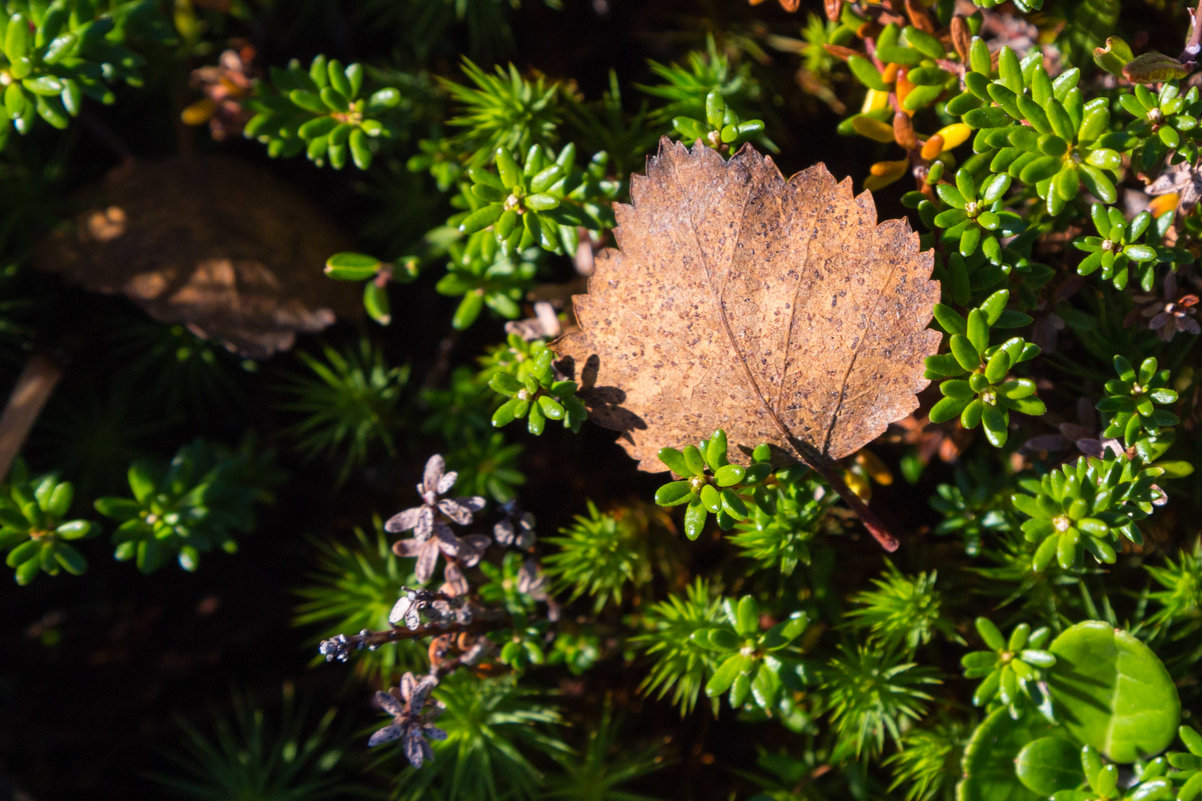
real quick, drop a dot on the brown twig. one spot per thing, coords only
(340, 648)
(1193, 42)
(827, 469)
(34, 387)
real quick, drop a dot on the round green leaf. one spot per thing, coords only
(988, 763)
(947, 409)
(733, 505)
(715, 451)
(318, 126)
(987, 689)
(988, 117)
(766, 687)
(60, 47)
(481, 218)
(26, 571)
(74, 529)
(729, 475)
(60, 499)
(990, 633)
(1113, 692)
(1049, 764)
(43, 85)
(120, 508)
(866, 73)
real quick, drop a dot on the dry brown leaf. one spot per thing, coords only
(777, 310)
(219, 245)
(787, 5)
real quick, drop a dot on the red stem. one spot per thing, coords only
(827, 469)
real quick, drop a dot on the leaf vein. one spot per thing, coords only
(719, 301)
(855, 353)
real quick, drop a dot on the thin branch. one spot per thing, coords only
(34, 387)
(1193, 43)
(827, 469)
(339, 648)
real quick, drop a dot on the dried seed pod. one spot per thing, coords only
(833, 8)
(903, 130)
(961, 37)
(918, 16)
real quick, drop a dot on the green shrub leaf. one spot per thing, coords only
(1112, 692)
(1049, 764)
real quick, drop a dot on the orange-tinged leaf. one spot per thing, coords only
(932, 148)
(1163, 204)
(884, 173)
(903, 87)
(780, 311)
(874, 468)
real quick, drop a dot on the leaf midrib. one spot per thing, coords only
(716, 297)
(809, 452)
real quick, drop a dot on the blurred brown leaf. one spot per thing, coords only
(787, 5)
(217, 244)
(780, 311)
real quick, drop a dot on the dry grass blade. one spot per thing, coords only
(778, 310)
